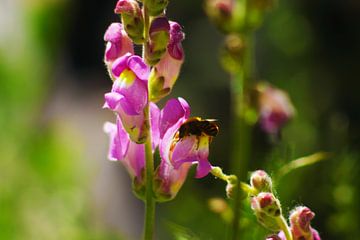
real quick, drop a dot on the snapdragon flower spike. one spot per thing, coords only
(165, 73)
(275, 108)
(132, 18)
(158, 40)
(117, 44)
(300, 219)
(178, 154)
(129, 95)
(131, 154)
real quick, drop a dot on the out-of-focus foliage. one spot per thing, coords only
(43, 182)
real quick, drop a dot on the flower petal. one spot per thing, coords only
(174, 111)
(137, 65)
(120, 64)
(119, 140)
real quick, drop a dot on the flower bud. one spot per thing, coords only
(300, 219)
(275, 108)
(267, 209)
(231, 186)
(132, 18)
(156, 7)
(261, 181)
(232, 53)
(220, 12)
(164, 74)
(158, 40)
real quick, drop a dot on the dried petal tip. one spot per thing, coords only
(176, 37)
(261, 181)
(132, 19)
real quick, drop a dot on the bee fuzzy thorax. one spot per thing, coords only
(198, 127)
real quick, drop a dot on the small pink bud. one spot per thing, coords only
(267, 209)
(220, 12)
(261, 181)
(132, 19)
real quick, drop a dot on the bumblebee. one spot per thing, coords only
(197, 126)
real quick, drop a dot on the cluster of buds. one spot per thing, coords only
(267, 209)
(236, 16)
(236, 19)
(300, 227)
(273, 107)
(138, 82)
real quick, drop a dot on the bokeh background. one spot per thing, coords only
(55, 181)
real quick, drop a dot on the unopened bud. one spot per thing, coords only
(232, 53)
(132, 19)
(165, 73)
(231, 186)
(220, 12)
(156, 7)
(267, 210)
(261, 181)
(158, 40)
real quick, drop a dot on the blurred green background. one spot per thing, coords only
(55, 181)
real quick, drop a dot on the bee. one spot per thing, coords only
(197, 126)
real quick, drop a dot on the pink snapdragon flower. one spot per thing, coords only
(165, 73)
(131, 154)
(129, 94)
(178, 154)
(117, 44)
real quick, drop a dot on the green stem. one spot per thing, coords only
(149, 164)
(149, 176)
(241, 141)
(284, 227)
